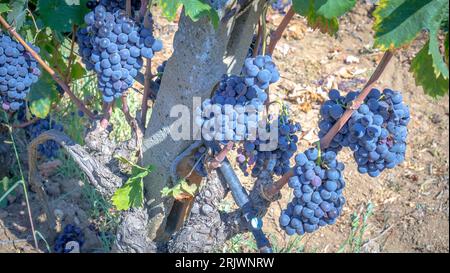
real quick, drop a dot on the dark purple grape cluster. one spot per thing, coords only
(277, 159)
(113, 5)
(259, 73)
(50, 148)
(376, 132)
(280, 5)
(18, 71)
(70, 233)
(117, 5)
(114, 46)
(232, 91)
(331, 111)
(318, 200)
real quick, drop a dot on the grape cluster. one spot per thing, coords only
(274, 160)
(331, 111)
(49, 148)
(232, 91)
(117, 5)
(280, 5)
(318, 184)
(259, 73)
(18, 71)
(114, 47)
(70, 233)
(376, 132)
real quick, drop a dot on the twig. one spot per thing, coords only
(71, 55)
(326, 140)
(143, 9)
(258, 41)
(276, 36)
(26, 123)
(378, 236)
(274, 188)
(47, 68)
(128, 8)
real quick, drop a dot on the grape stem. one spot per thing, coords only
(107, 111)
(72, 54)
(219, 158)
(26, 123)
(277, 34)
(258, 41)
(47, 68)
(128, 8)
(143, 9)
(273, 189)
(147, 78)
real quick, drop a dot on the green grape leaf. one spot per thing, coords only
(77, 71)
(194, 9)
(180, 191)
(333, 8)
(320, 15)
(422, 69)
(42, 95)
(169, 8)
(397, 22)
(4, 8)
(131, 195)
(190, 189)
(62, 15)
(17, 15)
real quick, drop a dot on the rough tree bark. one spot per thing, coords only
(201, 56)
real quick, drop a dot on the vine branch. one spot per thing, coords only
(47, 68)
(277, 34)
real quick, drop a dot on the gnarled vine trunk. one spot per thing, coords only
(201, 56)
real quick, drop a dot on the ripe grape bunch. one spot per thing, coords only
(281, 5)
(49, 148)
(318, 184)
(246, 93)
(376, 132)
(70, 233)
(18, 71)
(114, 46)
(113, 5)
(275, 160)
(259, 73)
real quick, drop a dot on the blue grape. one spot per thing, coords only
(316, 202)
(112, 43)
(18, 71)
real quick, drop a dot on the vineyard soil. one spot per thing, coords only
(411, 202)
